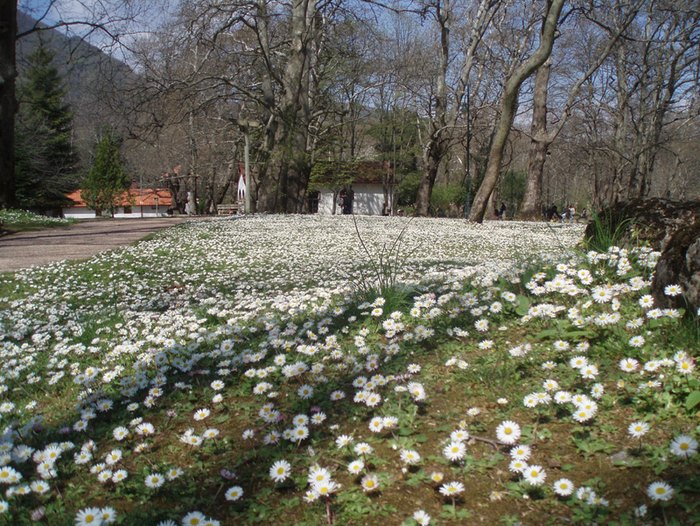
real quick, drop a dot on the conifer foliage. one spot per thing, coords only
(46, 160)
(106, 180)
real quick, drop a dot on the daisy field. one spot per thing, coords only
(336, 370)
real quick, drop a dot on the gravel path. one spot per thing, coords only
(78, 241)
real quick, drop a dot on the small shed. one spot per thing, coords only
(133, 203)
(368, 191)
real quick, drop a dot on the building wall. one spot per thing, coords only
(78, 213)
(325, 203)
(369, 200)
(148, 211)
(87, 213)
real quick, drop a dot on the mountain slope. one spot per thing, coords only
(90, 77)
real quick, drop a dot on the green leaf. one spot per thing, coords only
(523, 306)
(692, 400)
(546, 334)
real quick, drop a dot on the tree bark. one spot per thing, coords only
(283, 187)
(434, 148)
(446, 114)
(509, 103)
(619, 192)
(541, 136)
(431, 160)
(8, 103)
(531, 207)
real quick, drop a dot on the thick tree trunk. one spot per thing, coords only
(8, 104)
(432, 165)
(446, 115)
(434, 150)
(294, 176)
(509, 104)
(531, 207)
(619, 186)
(292, 167)
(227, 184)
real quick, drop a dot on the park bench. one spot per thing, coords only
(226, 209)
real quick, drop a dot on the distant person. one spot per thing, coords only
(347, 202)
(572, 213)
(502, 211)
(565, 213)
(190, 205)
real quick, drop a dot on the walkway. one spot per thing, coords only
(78, 241)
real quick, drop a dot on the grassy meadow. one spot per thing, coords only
(328, 370)
(20, 220)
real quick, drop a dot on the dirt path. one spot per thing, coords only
(81, 240)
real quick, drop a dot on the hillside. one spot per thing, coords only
(90, 76)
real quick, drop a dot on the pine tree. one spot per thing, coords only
(46, 163)
(106, 180)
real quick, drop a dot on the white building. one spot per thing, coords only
(366, 194)
(367, 199)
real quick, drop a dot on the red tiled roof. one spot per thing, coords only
(132, 197)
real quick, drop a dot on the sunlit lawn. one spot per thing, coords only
(251, 371)
(20, 220)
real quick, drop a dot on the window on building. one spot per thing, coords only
(127, 210)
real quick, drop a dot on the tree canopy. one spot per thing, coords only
(106, 179)
(47, 164)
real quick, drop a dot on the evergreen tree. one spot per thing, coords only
(106, 180)
(46, 163)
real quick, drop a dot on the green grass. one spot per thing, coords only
(606, 234)
(21, 221)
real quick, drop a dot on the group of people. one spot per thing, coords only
(549, 213)
(567, 213)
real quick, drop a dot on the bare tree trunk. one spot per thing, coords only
(289, 175)
(210, 205)
(263, 190)
(8, 104)
(227, 183)
(531, 208)
(619, 186)
(541, 137)
(509, 102)
(431, 160)
(434, 150)
(443, 124)
(388, 187)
